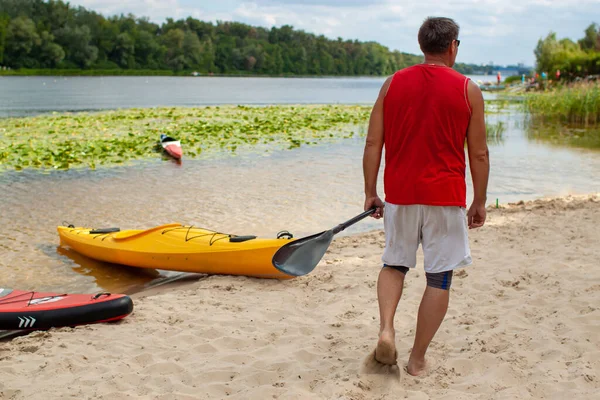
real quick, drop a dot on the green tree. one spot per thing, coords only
(277, 60)
(552, 54)
(207, 63)
(21, 39)
(4, 21)
(76, 43)
(50, 54)
(204, 30)
(223, 52)
(18, 8)
(544, 52)
(591, 38)
(192, 50)
(105, 38)
(148, 52)
(124, 51)
(56, 34)
(173, 42)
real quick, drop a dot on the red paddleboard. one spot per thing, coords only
(37, 311)
(171, 146)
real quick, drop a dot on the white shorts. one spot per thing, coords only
(442, 230)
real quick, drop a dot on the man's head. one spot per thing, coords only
(438, 37)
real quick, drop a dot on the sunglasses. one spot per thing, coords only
(457, 42)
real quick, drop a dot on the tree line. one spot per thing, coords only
(572, 59)
(37, 34)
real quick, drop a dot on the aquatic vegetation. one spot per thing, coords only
(62, 141)
(577, 105)
(496, 106)
(71, 140)
(568, 115)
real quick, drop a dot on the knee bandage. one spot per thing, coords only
(439, 280)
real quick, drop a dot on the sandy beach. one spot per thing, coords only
(523, 323)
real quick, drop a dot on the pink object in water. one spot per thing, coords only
(171, 146)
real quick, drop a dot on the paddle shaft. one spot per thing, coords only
(352, 221)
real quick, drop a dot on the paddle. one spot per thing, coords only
(301, 256)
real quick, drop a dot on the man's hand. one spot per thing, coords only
(374, 201)
(476, 215)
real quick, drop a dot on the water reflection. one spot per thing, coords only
(561, 135)
(109, 277)
(495, 132)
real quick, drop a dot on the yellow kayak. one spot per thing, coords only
(178, 247)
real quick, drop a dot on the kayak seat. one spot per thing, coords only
(104, 230)
(238, 239)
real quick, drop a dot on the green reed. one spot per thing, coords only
(577, 105)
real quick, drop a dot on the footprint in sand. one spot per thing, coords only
(372, 366)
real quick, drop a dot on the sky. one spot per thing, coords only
(501, 32)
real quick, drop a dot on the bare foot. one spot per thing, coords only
(385, 352)
(416, 367)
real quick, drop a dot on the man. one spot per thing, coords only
(423, 115)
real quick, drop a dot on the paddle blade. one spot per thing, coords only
(301, 256)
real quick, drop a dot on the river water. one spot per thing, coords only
(30, 95)
(304, 191)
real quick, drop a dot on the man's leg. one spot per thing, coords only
(445, 247)
(389, 291)
(431, 314)
(401, 225)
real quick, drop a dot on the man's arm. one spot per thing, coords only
(372, 152)
(478, 156)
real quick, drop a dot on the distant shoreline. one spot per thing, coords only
(145, 72)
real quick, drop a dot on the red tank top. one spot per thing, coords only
(426, 116)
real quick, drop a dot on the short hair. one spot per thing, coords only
(436, 34)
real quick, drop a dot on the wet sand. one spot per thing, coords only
(523, 323)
